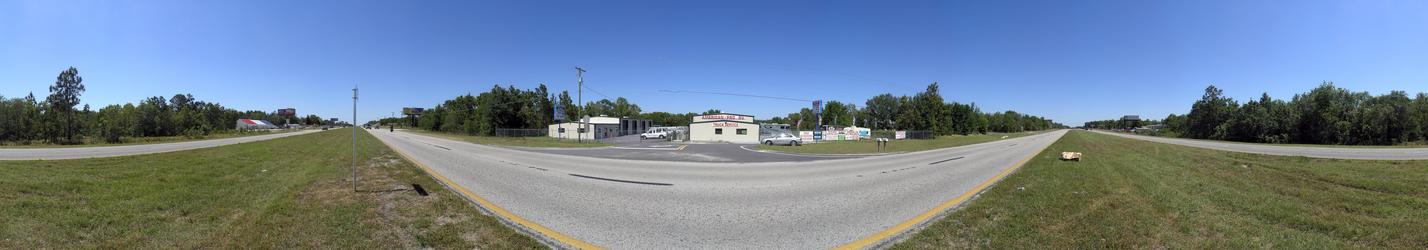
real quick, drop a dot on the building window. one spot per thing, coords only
(718, 131)
(742, 131)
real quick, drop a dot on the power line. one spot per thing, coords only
(734, 94)
(597, 92)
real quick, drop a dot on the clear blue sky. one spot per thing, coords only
(1071, 61)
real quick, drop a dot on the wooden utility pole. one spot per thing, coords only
(580, 100)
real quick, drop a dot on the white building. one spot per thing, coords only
(596, 128)
(732, 128)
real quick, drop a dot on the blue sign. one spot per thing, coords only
(559, 112)
(817, 135)
(818, 107)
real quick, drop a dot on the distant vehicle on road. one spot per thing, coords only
(783, 139)
(655, 133)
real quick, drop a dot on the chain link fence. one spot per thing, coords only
(520, 132)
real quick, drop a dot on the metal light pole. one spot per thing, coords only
(580, 100)
(354, 139)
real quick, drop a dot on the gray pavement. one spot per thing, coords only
(663, 151)
(1358, 153)
(11, 154)
(640, 204)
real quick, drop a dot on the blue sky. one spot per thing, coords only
(1071, 61)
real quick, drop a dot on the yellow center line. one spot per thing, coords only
(500, 212)
(905, 225)
(681, 147)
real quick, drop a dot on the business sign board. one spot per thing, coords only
(807, 136)
(900, 134)
(559, 113)
(724, 117)
(817, 107)
(288, 112)
(817, 135)
(332, 120)
(413, 111)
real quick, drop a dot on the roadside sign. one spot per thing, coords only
(817, 107)
(559, 113)
(817, 135)
(805, 135)
(900, 134)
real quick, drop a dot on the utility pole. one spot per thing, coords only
(354, 139)
(580, 100)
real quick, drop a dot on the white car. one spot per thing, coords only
(654, 134)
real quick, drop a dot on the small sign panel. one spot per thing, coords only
(559, 113)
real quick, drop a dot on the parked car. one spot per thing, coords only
(783, 139)
(655, 133)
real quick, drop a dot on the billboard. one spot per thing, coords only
(332, 120)
(287, 112)
(412, 111)
(817, 107)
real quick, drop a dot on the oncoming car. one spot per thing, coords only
(783, 139)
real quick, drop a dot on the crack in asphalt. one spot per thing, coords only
(624, 181)
(947, 160)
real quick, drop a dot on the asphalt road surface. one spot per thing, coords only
(638, 204)
(11, 154)
(685, 152)
(1315, 152)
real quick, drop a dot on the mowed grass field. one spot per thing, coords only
(1142, 195)
(99, 142)
(534, 141)
(284, 193)
(871, 147)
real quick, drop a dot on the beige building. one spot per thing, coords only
(731, 128)
(599, 127)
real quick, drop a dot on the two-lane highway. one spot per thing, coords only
(10, 154)
(1359, 153)
(634, 204)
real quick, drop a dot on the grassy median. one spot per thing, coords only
(871, 147)
(290, 192)
(99, 142)
(1135, 194)
(534, 141)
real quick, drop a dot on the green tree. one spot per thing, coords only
(1211, 111)
(929, 106)
(64, 95)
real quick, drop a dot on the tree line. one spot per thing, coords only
(512, 108)
(925, 111)
(1325, 115)
(57, 120)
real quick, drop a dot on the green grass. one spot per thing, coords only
(1134, 194)
(99, 142)
(1415, 144)
(536, 141)
(284, 193)
(871, 147)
